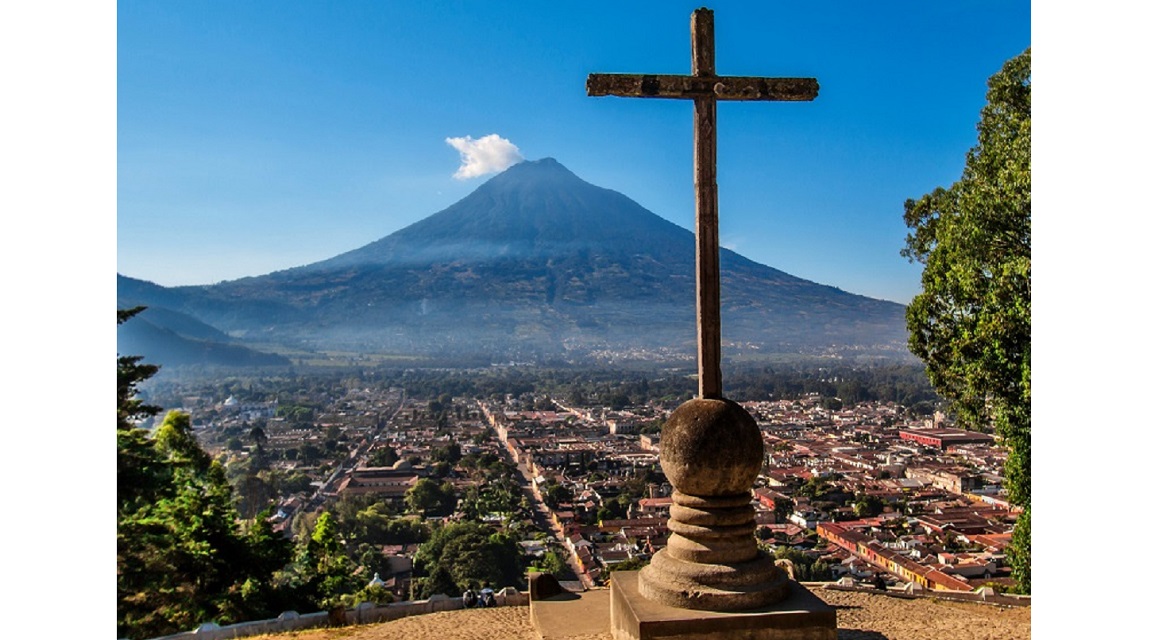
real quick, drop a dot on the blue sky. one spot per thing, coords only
(280, 124)
(265, 135)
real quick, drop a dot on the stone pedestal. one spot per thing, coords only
(711, 452)
(711, 580)
(800, 615)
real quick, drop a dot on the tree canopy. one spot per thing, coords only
(181, 556)
(463, 554)
(971, 323)
(428, 498)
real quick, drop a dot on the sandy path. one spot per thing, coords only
(860, 616)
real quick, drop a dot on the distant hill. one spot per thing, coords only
(535, 263)
(171, 338)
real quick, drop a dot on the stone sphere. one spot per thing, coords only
(711, 448)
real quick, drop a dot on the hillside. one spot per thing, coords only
(175, 339)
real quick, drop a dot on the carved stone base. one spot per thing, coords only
(712, 560)
(690, 585)
(799, 616)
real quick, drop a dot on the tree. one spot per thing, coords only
(449, 454)
(971, 323)
(783, 508)
(254, 494)
(328, 567)
(426, 497)
(630, 564)
(815, 488)
(310, 453)
(258, 436)
(383, 457)
(1019, 554)
(555, 564)
(130, 372)
(556, 494)
(805, 568)
(867, 506)
(468, 553)
(139, 467)
(181, 558)
(439, 581)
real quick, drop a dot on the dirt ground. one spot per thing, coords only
(860, 616)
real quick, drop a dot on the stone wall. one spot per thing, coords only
(914, 590)
(365, 613)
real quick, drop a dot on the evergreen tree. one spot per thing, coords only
(326, 565)
(130, 372)
(181, 557)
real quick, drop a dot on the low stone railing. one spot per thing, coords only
(913, 590)
(364, 613)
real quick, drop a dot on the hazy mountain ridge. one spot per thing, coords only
(171, 338)
(534, 262)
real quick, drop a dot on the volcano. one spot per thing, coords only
(534, 264)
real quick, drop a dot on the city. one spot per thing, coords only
(870, 492)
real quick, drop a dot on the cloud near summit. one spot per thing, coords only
(485, 155)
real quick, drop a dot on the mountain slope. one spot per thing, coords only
(171, 338)
(534, 262)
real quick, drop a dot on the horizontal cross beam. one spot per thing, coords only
(697, 87)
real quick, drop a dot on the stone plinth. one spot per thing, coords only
(570, 615)
(800, 615)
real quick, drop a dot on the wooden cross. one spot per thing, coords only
(704, 87)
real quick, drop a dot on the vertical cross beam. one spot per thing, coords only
(704, 87)
(708, 234)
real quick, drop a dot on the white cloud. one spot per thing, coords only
(489, 154)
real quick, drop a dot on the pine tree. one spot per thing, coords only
(181, 557)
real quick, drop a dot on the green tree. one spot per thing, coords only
(140, 469)
(310, 453)
(556, 494)
(466, 553)
(324, 562)
(174, 438)
(630, 564)
(449, 453)
(971, 323)
(383, 457)
(1019, 553)
(440, 580)
(555, 564)
(181, 558)
(783, 508)
(428, 498)
(806, 568)
(258, 436)
(130, 373)
(815, 488)
(867, 506)
(253, 495)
